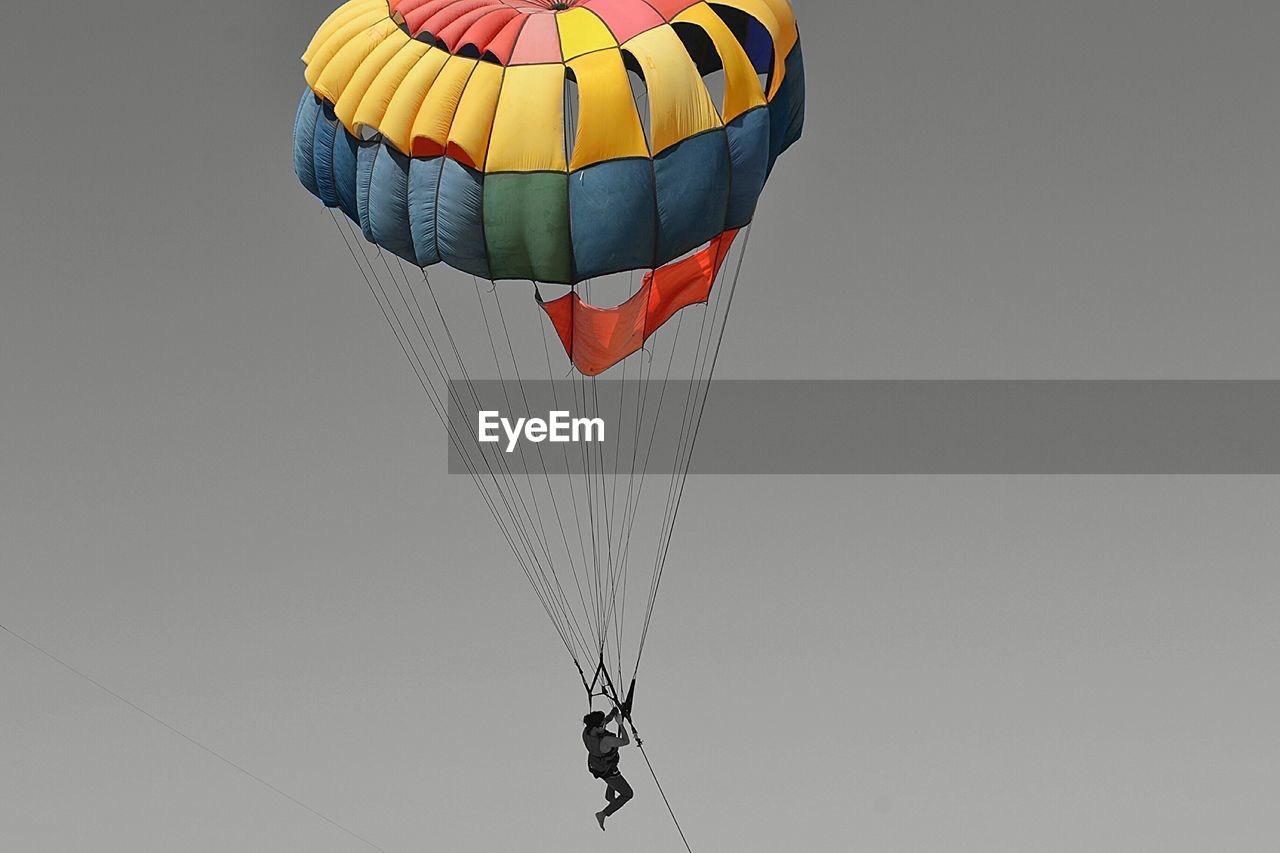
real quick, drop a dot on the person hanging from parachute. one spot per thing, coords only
(571, 144)
(602, 759)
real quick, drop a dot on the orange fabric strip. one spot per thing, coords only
(595, 338)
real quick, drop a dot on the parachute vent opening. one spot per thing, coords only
(702, 50)
(609, 291)
(639, 94)
(429, 39)
(572, 114)
(754, 39)
(699, 46)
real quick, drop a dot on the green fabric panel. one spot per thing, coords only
(526, 226)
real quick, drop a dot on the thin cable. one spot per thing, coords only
(227, 761)
(663, 793)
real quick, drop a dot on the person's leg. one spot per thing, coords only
(618, 793)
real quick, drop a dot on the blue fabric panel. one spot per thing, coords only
(345, 147)
(389, 203)
(424, 184)
(612, 217)
(749, 157)
(693, 193)
(459, 219)
(322, 157)
(365, 155)
(759, 45)
(786, 110)
(304, 127)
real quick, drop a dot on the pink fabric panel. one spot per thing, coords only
(539, 41)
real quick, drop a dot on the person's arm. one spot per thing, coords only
(612, 714)
(621, 739)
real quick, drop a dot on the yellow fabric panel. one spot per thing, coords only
(582, 32)
(741, 85)
(528, 128)
(679, 105)
(382, 90)
(354, 30)
(339, 70)
(406, 100)
(781, 29)
(341, 16)
(608, 125)
(354, 91)
(431, 127)
(469, 134)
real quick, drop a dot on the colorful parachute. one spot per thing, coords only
(552, 143)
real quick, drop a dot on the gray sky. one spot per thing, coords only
(223, 498)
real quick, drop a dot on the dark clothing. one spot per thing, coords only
(617, 793)
(602, 762)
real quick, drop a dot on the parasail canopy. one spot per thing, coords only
(558, 142)
(513, 145)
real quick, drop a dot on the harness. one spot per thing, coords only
(602, 763)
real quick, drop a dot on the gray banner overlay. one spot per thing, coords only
(886, 426)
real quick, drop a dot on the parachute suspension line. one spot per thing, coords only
(476, 399)
(573, 496)
(542, 540)
(406, 345)
(602, 516)
(675, 340)
(189, 739)
(470, 387)
(548, 575)
(589, 564)
(617, 573)
(442, 413)
(627, 525)
(555, 504)
(588, 486)
(631, 478)
(695, 423)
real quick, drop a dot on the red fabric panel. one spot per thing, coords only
(416, 18)
(685, 282)
(670, 8)
(595, 338)
(561, 313)
(451, 34)
(404, 7)
(623, 18)
(504, 42)
(451, 12)
(484, 30)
